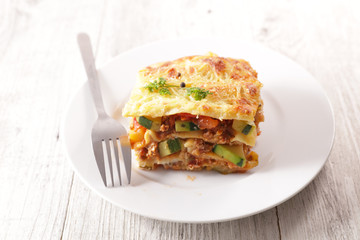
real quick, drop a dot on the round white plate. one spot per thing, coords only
(296, 138)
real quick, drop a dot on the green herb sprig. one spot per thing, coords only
(197, 93)
(163, 89)
(160, 85)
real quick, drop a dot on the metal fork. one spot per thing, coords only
(106, 129)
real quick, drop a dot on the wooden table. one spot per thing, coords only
(40, 69)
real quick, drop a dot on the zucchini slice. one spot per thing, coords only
(234, 154)
(169, 147)
(149, 123)
(245, 132)
(247, 129)
(185, 126)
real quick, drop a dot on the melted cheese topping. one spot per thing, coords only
(232, 82)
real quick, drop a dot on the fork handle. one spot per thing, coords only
(89, 64)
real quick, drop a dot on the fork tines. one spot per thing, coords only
(111, 152)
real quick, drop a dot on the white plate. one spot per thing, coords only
(296, 138)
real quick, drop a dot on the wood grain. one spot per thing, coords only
(329, 207)
(39, 71)
(40, 68)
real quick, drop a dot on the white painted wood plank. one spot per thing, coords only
(39, 68)
(97, 219)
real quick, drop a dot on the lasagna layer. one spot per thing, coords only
(233, 84)
(197, 147)
(196, 113)
(194, 158)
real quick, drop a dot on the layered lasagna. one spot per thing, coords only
(196, 113)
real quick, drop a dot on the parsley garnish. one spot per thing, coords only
(197, 93)
(160, 85)
(163, 89)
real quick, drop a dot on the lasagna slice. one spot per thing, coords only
(195, 113)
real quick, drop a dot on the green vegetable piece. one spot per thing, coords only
(155, 126)
(227, 153)
(246, 129)
(174, 145)
(143, 121)
(169, 146)
(184, 126)
(164, 149)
